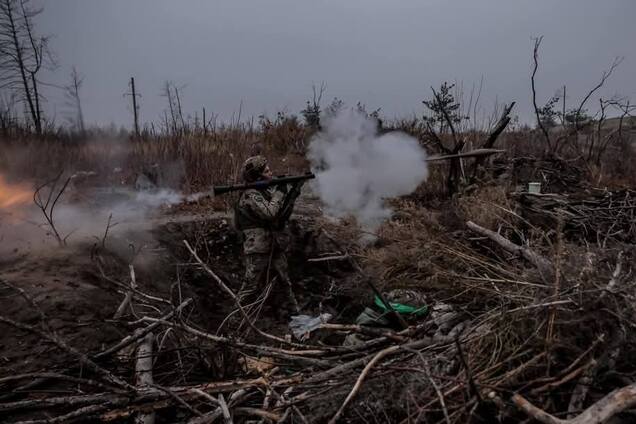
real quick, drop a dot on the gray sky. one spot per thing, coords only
(383, 53)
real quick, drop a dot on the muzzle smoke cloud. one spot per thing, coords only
(357, 169)
(23, 227)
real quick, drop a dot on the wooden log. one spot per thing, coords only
(143, 374)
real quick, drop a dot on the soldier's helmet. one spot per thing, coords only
(253, 168)
(408, 297)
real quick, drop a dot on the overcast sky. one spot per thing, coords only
(267, 54)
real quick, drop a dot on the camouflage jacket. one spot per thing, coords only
(255, 217)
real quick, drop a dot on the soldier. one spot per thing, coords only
(260, 215)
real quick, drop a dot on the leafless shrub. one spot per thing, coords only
(46, 198)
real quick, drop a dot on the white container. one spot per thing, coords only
(534, 188)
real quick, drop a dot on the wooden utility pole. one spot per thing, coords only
(134, 100)
(133, 94)
(205, 129)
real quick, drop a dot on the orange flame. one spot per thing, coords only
(14, 195)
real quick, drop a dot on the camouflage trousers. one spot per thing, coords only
(259, 272)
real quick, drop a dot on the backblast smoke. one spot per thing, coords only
(357, 169)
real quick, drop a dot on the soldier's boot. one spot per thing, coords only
(292, 296)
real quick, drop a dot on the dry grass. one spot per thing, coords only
(487, 206)
(190, 162)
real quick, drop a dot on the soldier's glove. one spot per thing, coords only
(282, 188)
(296, 189)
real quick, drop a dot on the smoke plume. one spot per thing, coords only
(128, 212)
(357, 169)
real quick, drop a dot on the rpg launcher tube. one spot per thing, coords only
(285, 179)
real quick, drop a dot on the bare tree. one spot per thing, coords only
(46, 198)
(573, 121)
(312, 111)
(174, 120)
(72, 95)
(603, 138)
(22, 55)
(535, 56)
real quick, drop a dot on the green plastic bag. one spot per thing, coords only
(400, 308)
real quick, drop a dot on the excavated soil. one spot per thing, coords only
(75, 291)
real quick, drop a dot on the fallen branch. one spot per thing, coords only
(612, 404)
(328, 258)
(543, 265)
(477, 153)
(136, 336)
(356, 387)
(55, 376)
(224, 409)
(210, 417)
(143, 374)
(129, 295)
(290, 355)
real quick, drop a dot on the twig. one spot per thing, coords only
(291, 355)
(328, 258)
(54, 376)
(133, 337)
(568, 377)
(47, 207)
(176, 397)
(440, 396)
(363, 374)
(469, 375)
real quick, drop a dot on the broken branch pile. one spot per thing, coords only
(602, 215)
